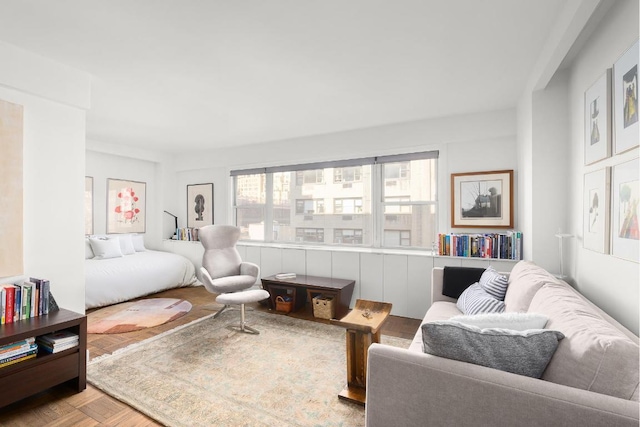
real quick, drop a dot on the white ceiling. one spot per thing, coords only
(192, 74)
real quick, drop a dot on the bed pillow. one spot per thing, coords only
(126, 244)
(88, 252)
(138, 242)
(512, 321)
(106, 247)
(520, 352)
(494, 283)
(475, 300)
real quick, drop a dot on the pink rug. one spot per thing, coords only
(136, 315)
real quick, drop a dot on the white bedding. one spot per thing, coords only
(114, 280)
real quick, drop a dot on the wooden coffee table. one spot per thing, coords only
(363, 326)
(301, 286)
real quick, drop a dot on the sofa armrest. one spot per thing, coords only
(409, 388)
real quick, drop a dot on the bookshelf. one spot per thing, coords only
(47, 369)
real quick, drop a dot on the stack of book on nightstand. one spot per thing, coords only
(18, 351)
(283, 276)
(58, 341)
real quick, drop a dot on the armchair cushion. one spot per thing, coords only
(234, 283)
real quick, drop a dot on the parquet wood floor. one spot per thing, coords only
(62, 406)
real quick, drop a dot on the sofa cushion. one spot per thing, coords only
(513, 321)
(456, 279)
(494, 283)
(476, 300)
(519, 352)
(439, 310)
(525, 280)
(595, 355)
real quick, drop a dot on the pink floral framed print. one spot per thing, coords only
(126, 206)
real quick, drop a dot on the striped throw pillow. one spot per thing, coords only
(494, 283)
(475, 300)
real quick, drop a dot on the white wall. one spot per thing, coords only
(476, 142)
(54, 159)
(102, 166)
(550, 160)
(612, 283)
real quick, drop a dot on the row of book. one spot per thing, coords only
(28, 348)
(188, 233)
(30, 299)
(506, 245)
(18, 351)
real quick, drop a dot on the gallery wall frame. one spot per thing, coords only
(596, 208)
(88, 205)
(482, 199)
(199, 205)
(625, 98)
(625, 194)
(597, 119)
(126, 206)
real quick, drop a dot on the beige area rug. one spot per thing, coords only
(204, 374)
(136, 315)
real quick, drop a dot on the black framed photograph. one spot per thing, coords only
(482, 199)
(126, 206)
(199, 205)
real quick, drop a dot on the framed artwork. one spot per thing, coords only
(199, 205)
(126, 206)
(482, 199)
(88, 205)
(597, 120)
(625, 195)
(596, 210)
(625, 98)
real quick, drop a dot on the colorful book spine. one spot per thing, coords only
(20, 358)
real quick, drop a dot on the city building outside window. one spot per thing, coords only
(388, 201)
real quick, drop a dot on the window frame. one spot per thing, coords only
(377, 194)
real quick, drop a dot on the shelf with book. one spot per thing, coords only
(46, 369)
(507, 245)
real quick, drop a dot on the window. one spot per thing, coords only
(397, 237)
(250, 205)
(309, 207)
(387, 201)
(352, 174)
(315, 235)
(347, 206)
(310, 177)
(347, 236)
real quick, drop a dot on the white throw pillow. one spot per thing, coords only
(88, 252)
(138, 242)
(512, 321)
(106, 248)
(126, 244)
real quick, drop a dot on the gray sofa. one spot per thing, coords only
(591, 380)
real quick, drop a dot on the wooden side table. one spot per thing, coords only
(363, 326)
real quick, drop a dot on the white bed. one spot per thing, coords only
(113, 280)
